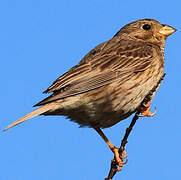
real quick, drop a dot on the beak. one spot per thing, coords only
(166, 30)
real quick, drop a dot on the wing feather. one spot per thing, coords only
(104, 64)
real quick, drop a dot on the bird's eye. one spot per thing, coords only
(146, 27)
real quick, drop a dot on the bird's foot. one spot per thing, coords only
(119, 158)
(145, 110)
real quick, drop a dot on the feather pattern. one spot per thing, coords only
(103, 65)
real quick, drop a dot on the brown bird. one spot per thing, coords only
(114, 80)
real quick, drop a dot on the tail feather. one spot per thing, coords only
(32, 114)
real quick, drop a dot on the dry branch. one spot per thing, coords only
(114, 167)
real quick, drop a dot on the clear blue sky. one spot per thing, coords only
(39, 41)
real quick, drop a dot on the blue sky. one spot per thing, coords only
(39, 41)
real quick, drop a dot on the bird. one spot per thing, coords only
(114, 80)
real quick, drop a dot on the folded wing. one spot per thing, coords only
(110, 61)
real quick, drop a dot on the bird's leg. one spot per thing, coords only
(119, 158)
(145, 110)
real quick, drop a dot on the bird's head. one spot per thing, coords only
(147, 30)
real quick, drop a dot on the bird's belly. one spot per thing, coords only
(98, 113)
(103, 109)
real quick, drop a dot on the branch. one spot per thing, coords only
(114, 167)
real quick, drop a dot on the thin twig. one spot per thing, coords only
(114, 166)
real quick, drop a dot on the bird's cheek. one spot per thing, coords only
(144, 36)
(158, 37)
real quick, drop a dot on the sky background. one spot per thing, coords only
(39, 41)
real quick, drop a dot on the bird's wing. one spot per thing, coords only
(106, 63)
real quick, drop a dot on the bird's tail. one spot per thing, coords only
(32, 114)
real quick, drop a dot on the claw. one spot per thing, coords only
(119, 168)
(124, 155)
(119, 158)
(147, 113)
(145, 110)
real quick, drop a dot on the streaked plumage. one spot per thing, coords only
(112, 80)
